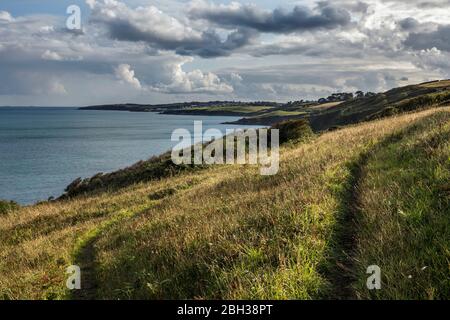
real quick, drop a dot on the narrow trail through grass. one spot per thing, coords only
(343, 275)
(84, 254)
(86, 260)
(347, 280)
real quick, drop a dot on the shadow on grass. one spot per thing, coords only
(46, 225)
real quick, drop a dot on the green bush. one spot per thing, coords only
(294, 130)
(7, 206)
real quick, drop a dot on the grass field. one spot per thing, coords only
(437, 84)
(325, 106)
(235, 109)
(373, 193)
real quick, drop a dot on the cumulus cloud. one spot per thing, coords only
(56, 87)
(326, 16)
(51, 55)
(143, 23)
(5, 16)
(192, 82)
(32, 58)
(174, 80)
(46, 29)
(124, 73)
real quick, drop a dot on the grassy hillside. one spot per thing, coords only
(334, 114)
(394, 101)
(373, 193)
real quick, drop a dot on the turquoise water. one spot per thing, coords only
(42, 150)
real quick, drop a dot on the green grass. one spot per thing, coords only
(38, 243)
(404, 221)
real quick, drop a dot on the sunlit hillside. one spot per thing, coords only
(375, 193)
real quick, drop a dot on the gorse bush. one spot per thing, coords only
(294, 130)
(7, 206)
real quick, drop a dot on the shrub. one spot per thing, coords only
(294, 130)
(7, 206)
(153, 169)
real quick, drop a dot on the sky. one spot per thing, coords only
(154, 51)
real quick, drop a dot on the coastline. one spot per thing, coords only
(261, 117)
(79, 144)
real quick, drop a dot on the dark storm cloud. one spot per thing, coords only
(277, 21)
(212, 46)
(439, 39)
(207, 45)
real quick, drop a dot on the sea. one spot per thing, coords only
(43, 149)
